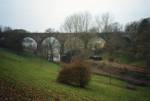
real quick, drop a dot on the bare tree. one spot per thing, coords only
(7, 29)
(94, 29)
(51, 47)
(79, 22)
(50, 30)
(67, 26)
(104, 22)
(74, 43)
(116, 27)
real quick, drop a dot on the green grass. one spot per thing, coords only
(40, 74)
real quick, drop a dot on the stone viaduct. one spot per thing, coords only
(62, 37)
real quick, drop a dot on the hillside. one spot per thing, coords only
(24, 78)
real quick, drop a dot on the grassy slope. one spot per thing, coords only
(40, 74)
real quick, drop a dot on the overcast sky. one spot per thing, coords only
(38, 15)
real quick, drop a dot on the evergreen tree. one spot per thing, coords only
(143, 41)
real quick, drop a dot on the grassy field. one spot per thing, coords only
(41, 75)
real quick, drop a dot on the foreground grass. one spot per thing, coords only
(40, 74)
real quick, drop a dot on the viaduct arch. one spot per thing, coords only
(61, 37)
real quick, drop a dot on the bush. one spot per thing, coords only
(76, 73)
(102, 65)
(111, 59)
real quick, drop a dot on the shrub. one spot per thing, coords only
(111, 59)
(76, 73)
(101, 65)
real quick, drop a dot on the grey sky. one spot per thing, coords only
(37, 15)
